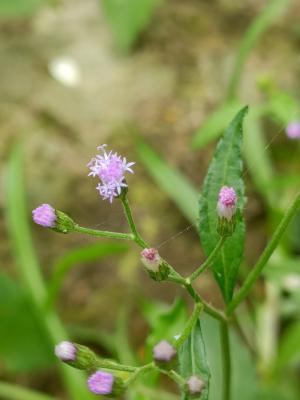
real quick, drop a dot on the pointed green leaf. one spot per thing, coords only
(225, 169)
(192, 360)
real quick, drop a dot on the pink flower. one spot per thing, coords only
(44, 215)
(151, 259)
(293, 130)
(65, 351)
(195, 385)
(227, 203)
(110, 168)
(101, 382)
(163, 351)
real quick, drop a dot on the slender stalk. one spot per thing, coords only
(140, 371)
(210, 259)
(175, 377)
(189, 325)
(251, 37)
(108, 364)
(226, 360)
(264, 258)
(136, 236)
(14, 392)
(213, 312)
(107, 234)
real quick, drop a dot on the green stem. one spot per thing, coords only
(140, 371)
(107, 364)
(136, 236)
(14, 392)
(264, 258)
(210, 259)
(213, 312)
(107, 234)
(175, 377)
(226, 360)
(189, 325)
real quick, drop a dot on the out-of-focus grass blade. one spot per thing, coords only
(173, 182)
(215, 123)
(258, 27)
(29, 269)
(256, 152)
(9, 391)
(128, 18)
(88, 253)
(289, 349)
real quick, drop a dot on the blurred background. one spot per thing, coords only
(157, 80)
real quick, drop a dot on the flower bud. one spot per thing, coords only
(226, 208)
(105, 384)
(76, 355)
(293, 130)
(164, 355)
(44, 215)
(47, 216)
(155, 266)
(195, 385)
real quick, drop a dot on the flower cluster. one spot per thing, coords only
(111, 169)
(44, 215)
(101, 382)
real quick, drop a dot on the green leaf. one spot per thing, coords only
(84, 254)
(225, 169)
(173, 182)
(30, 350)
(128, 18)
(192, 360)
(11, 391)
(213, 126)
(18, 8)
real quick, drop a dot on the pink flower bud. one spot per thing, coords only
(151, 259)
(66, 351)
(44, 215)
(163, 351)
(293, 130)
(101, 382)
(227, 203)
(195, 385)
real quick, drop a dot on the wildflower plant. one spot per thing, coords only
(222, 232)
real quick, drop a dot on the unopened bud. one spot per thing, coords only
(157, 268)
(195, 385)
(78, 356)
(164, 355)
(45, 215)
(226, 208)
(105, 384)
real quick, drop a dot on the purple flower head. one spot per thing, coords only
(195, 385)
(110, 168)
(227, 202)
(151, 259)
(293, 130)
(101, 382)
(66, 351)
(44, 215)
(163, 351)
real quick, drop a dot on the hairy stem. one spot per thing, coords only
(107, 234)
(226, 360)
(189, 325)
(264, 258)
(210, 259)
(136, 236)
